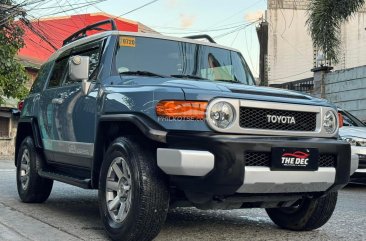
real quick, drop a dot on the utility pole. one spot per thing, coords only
(262, 33)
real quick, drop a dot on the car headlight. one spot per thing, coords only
(330, 122)
(222, 114)
(355, 141)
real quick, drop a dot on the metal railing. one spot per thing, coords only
(304, 85)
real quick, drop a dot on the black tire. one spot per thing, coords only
(37, 189)
(149, 201)
(309, 215)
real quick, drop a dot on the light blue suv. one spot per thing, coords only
(155, 122)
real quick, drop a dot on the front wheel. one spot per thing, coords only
(308, 214)
(133, 194)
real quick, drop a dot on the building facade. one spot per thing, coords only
(291, 54)
(8, 127)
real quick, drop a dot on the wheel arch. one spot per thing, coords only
(27, 127)
(111, 127)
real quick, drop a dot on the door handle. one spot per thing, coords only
(57, 101)
(63, 95)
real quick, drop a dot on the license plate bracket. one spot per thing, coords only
(294, 159)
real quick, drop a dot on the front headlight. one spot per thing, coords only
(355, 141)
(222, 114)
(330, 122)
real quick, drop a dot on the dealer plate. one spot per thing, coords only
(290, 159)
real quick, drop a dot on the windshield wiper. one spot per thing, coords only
(187, 76)
(227, 80)
(142, 73)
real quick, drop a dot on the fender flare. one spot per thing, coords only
(34, 131)
(148, 127)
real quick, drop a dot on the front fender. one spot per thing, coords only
(148, 127)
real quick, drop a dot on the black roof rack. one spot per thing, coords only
(202, 36)
(82, 32)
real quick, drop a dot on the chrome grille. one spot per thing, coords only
(256, 118)
(263, 159)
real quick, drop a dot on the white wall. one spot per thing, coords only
(290, 49)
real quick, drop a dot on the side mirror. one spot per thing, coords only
(79, 71)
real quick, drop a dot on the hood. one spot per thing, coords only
(353, 131)
(200, 89)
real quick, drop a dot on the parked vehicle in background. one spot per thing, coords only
(354, 132)
(154, 122)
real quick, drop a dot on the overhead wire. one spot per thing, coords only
(285, 77)
(248, 53)
(77, 13)
(52, 36)
(75, 4)
(71, 9)
(72, 20)
(235, 30)
(236, 13)
(206, 31)
(27, 23)
(138, 8)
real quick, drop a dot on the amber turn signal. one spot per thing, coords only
(340, 119)
(185, 110)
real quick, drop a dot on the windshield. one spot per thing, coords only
(350, 120)
(180, 60)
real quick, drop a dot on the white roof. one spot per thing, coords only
(137, 34)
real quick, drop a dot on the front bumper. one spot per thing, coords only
(230, 175)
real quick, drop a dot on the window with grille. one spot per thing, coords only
(4, 127)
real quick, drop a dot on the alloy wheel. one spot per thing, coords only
(25, 169)
(118, 189)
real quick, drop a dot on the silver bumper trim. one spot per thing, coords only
(185, 162)
(360, 171)
(360, 150)
(263, 180)
(354, 163)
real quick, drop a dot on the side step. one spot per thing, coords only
(83, 183)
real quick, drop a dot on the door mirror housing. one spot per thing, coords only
(79, 71)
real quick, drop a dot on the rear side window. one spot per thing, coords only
(41, 78)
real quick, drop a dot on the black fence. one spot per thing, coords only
(304, 85)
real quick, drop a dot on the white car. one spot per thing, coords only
(354, 132)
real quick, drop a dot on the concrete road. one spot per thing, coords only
(72, 214)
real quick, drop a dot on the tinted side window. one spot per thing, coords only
(41, 78)
(58, 73)
(243, 74)
(93, 51)
(215, 64)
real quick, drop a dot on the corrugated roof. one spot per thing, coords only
(56, 29)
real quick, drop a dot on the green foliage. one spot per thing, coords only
(325, 20)
(7, 2)
(12, 74)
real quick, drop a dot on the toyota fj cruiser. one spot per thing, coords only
(154, 122)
